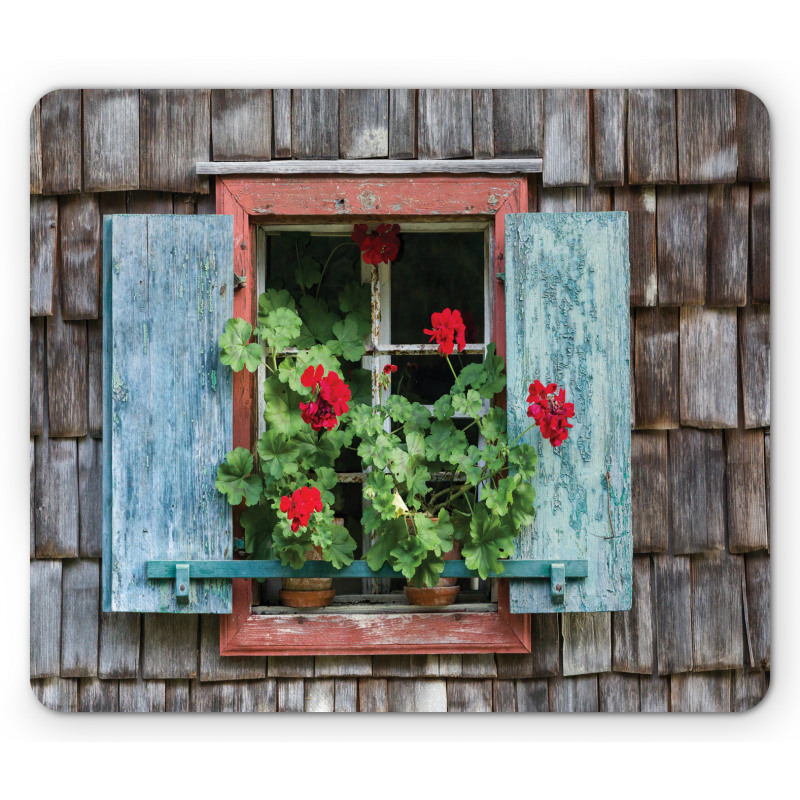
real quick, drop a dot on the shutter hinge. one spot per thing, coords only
(501, 276)
(239, 281)
(558, 582)
(182, 584)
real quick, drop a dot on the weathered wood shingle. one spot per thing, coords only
(45, 638)
(444, 123)
(754, 359)
(752, 137)
(469, 696)
(373, 695)
(587, 642)
(707, 135)
(411, 695)
(701, 691)
(673, 613)
(282, 122)
(640, 203)
(80, 240)
(170, 646)
(482, 123)
(56, 498)
(728, 208)
(80, 612)
(746, 491)
(61, 141)
(95, 694)
(632, 631)
(315, 123)
(44, 230)
(363, 123)
(759, 243)
(90, 496)
(57, 694)
(566, 137)
(119, 645)
(214, 667)
(657, 368)
(142, 696)
(94, 344)
(609, 118)
(544, 658)
(573, 694)
(652, 137)
(110, 139)
(36, 149)
(757, 619)
(37, 367)
(518, 116)
(241, 124)
(650, 491)
(618, 692)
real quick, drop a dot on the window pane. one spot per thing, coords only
(436, 271)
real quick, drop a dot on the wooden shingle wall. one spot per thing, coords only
(691, 168)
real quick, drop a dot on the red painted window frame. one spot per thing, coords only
(252, 200)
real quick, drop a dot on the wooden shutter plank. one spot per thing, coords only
(759, 243)
(640, 203)
(79, 240)
(469, 696)
(174, 134)
(518, 116)
(61, 141)
(697, 493)
(282, 122)
(213, 667)
(482, 123)
(747, 503)
(110, 139)
(707, 135)
(573, 694)
(168, 295)
(587, 643)
(80, 612)
(90, 496)
(657, 373)
(444, 123)
(45, 634)
(752, 137)
(545, 656)
(709, 385)
(315, 123)
(36, 149)
(37, 367)
(142, 696)
(618, 692)
(757, 584)
(650, 492)
(402, 123)
(654, 693)
(673, 613)
(57, 694)
(566, 137)
(119, 645)
(44, 229)
(701, 692)
(652, 137)
(609, 112)
(56, 498)
(363, 123)
(241, 124)
(754, 355)
(632, 636)
(95, 694)
(728, 208)
(567, 277)
(681, 215)
(94, 344)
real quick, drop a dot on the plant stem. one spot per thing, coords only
(319, 285)
(463, 490)
(521, 435)
(454, 373)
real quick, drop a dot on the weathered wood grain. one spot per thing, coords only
(150, 203)
(291, 694)
(336, 666)
(241, 124)
(754, 355)
(504, 696)
(707, 150)
(469, 696)
(177, 696)
(414, 695)
(757, 583)
(752, 137)
(110, 139)
(482, 123)
(57, 694)
(650, 492)
(701, 691)
(728, 208)
(746, 491)
(609, 120)
(563, 272)
(544, 658)
(32, 512)
(36, 149)
(44, 229)
(532, 695)
(766, 473)
(697, 491)
(174, 134)
(587, 643)
(256, 696)
(80, 612)
(230, 696)
(444, 123)
(402, 123)
(618, 692)
(320, 695)
(717, 633)
(363, 123)
(213, 667)
(558, 201)
(119, 645)
(405, 666)
(142, 696)
(45, 637)
(95, 694)
(56, 498)
(315, 123)
(673, 613)
(681, 219)
(61, 141)
(170, 646)
(80, 247)
(518, 116)
(654, 693)
(37, 368)
(373, 695)
(566, 137)
(759, 243)
(345, 695)
(652, 136)
(160, 342)
(475, 665)
(94, 344)
(381, 166)
(290, 666)
(709, 385)
(573, 694)
(657, 372)
(749, 689)
(640, 203)
(282, 122)
(632, 631)
(593, 197)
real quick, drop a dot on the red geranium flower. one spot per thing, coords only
(550, 410)
(380, 245)
(389, 369)
(301, 505)
(328, 400)
(448, 326)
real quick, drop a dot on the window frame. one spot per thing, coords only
(257, 200)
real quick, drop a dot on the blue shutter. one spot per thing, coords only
(567, 322)
(168, 405)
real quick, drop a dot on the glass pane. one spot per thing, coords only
(436, 271)
(424, 379)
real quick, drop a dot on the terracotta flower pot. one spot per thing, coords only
(446, 589)
(309, 592)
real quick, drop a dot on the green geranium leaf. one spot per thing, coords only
(495, 379)
(443, 407)
(363, 421)
(359, 381)
(488, 541)
(521, 512)
(417, 485)
(469, 464)
(468, 404)
(493, 424)
(445, 441)
(234, 349)
(435, 534)
(415, 445)
(278, 454)
(281, 329)
(390, 534)
(497, 499)
(407, 555)
(309, 273)
(347, 343)
(258, 522)
(523, 458)
(338, 438)
(281, 408)
(398, 408)
(339, 552)
(318, 319)
(428, 571)
(288, 547)
(377, 452)
(355, 297)
(419, 419)
(234, 479)
(272, 300)
(473, 375)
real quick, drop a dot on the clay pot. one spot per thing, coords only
(308, 592)
(446, 589)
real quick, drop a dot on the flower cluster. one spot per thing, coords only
(550, 411)
(301, 505)
(447, 328)
(328, 400)
(380, 245)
